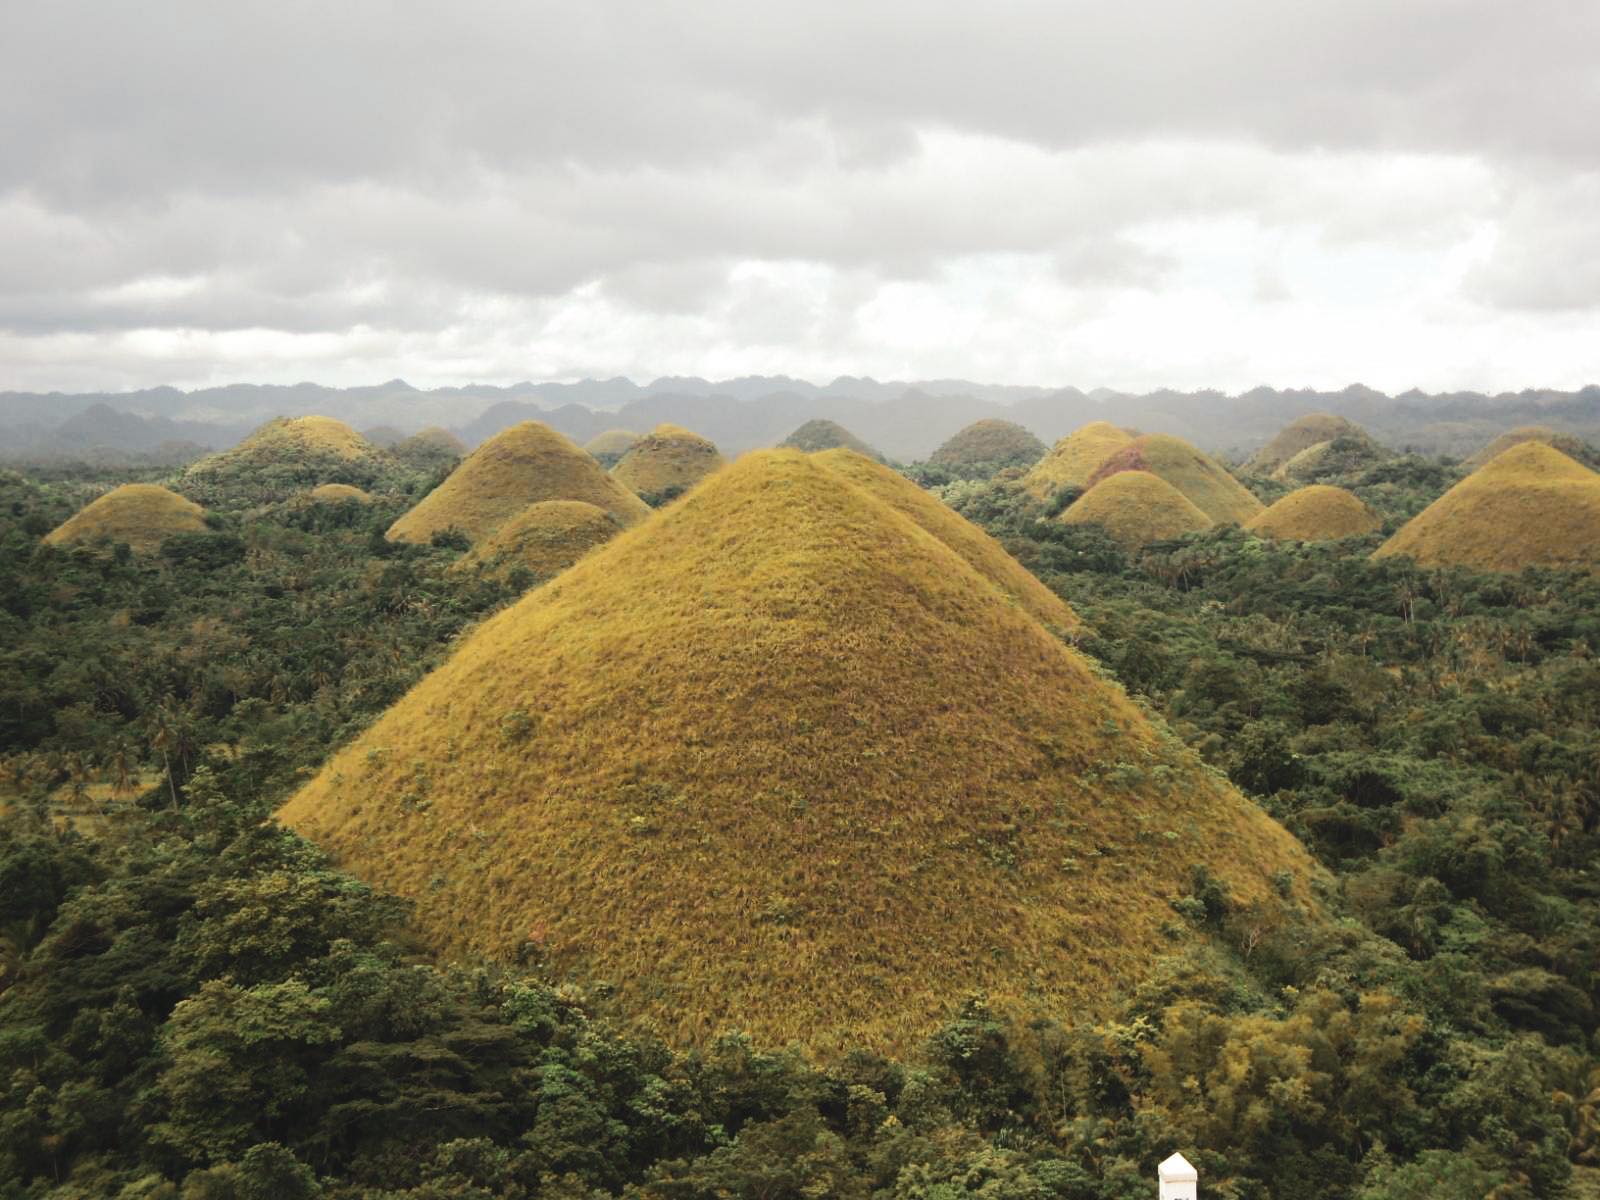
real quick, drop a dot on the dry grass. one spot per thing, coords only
(990, 441)
(779, 759)
(1074, 458)
(668, 457)
(1199, 477)
(981, 552)
(1135, 508)
(429, 448)
(292, 438)
(1564, 442)
(140, 514)
(338, 493)
(1300, 434)
(517, 467)
(816, 436)
(611, 445)
(1531, 506)
(1318, 513)
(546, 538)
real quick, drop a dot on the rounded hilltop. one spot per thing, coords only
(666, 462)
(1199, 477)
(1531, 506)
(1300, 434)
(1073, 459)
(338, 493)
(608, 448)
(281, 458)
(821, 434)
(989, 443)
(141, 514)
(517, 467)
(779, 759)
(545, 538)
(1345, 455)
(1136, 508)
(1318, 513)
(1571, 445)
(429, 449)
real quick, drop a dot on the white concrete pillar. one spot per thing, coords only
(1179, 1180)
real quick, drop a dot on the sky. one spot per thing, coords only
(1134, 195)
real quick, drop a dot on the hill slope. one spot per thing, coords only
(608, 448)
(1318, 513)
(1299, 434)
(1198, 476)
(1135, 508)
(1074, 458)
(990, 441)
(1531, 506)
(822, 434)
(430, 449)
(546, 538)
(523, 465)
(1572, 447)
(140, 514)
(667, 460)
(779, 759)
(283, 457)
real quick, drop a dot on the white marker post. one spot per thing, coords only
(1179, 1180)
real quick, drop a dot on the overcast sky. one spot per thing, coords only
(1126, 194)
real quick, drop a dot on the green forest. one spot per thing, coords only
(195, 1003)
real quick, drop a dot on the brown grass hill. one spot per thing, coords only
(1573, 447)
(990, 442)
(666, 462)
(545, 538)
(1345, 455)
(430, 449)
(141, 514)
(818, 435)
(780, 760)
(1298, 435)
(1136, 508)
(338, 493)
(1074, 458)
(1199, 477)
(608, 448)
(1532, 506)
(281, 459)
(981, 552)
(517, 467)
(1318, 513)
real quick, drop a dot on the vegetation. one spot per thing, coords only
(544, 539)
(1317, 513)
(608, 448)
(431, 449)
(1200, 478)
(1073, 459)
(284, 456)
(1299, 435)
(665, 463)
(987, 446)
(339, 493)
(1334, 461)
(821, 434)
(1136, 508)
(1573, 447)
(138, 515)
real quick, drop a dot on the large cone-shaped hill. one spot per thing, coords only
(1299, 434)
(779, 759)
(141, 514)
(666, 461)
(1531, 507)
(517, 467)
(990, 442)
(546, 538)
(282, 458)
(1570, 445)
(822, 434)
(1199, 477)
(1074, 458)
(1135, 508)
(1318, 513)
(608, 448)
(429, 449)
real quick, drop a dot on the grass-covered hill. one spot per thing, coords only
(989, 443)
(666, 462)
(1136, 508)
(338, 493)
(1342, 458)
(608, 448)
(523, 465)
(429, 449)
(780, 758)
(1199, 477)
(143, 515)
(1300, 434)
(1315, 514)
(282, 457)
(544, 538)
(1530, 506)
(1572, 446)
(1073, 459)
(823, 434)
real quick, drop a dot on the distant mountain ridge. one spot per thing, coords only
(907, 421)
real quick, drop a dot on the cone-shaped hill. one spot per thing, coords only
(778, 759)
(1531, 507)
(1074, 458)
(985, 555)
(822, 434)
(1573, 447)
(990, 442)
(1346, 454)
(338, 493)
(517, 467)
(608, 448)
(666, 461)
(141, 514)
(546, 538)
(1199, 477)
(1318, 513)
(284, 457)
(1136, 508)
(430, 449)
(1299, 434)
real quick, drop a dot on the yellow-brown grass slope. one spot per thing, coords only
(1074, 458)
(608, 448)
(1318, 513)
(517, 467)
(141, 514)
(338, 493)
(667, 460)
(821, 434)
(1299, 434)
(1569, 445)
(430, 449)
(546, 538)
(779, 759)
(282, 458)
(1136, 508)
(990, 442)
(1531, 506)
(1198, 476)
(981, 552)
